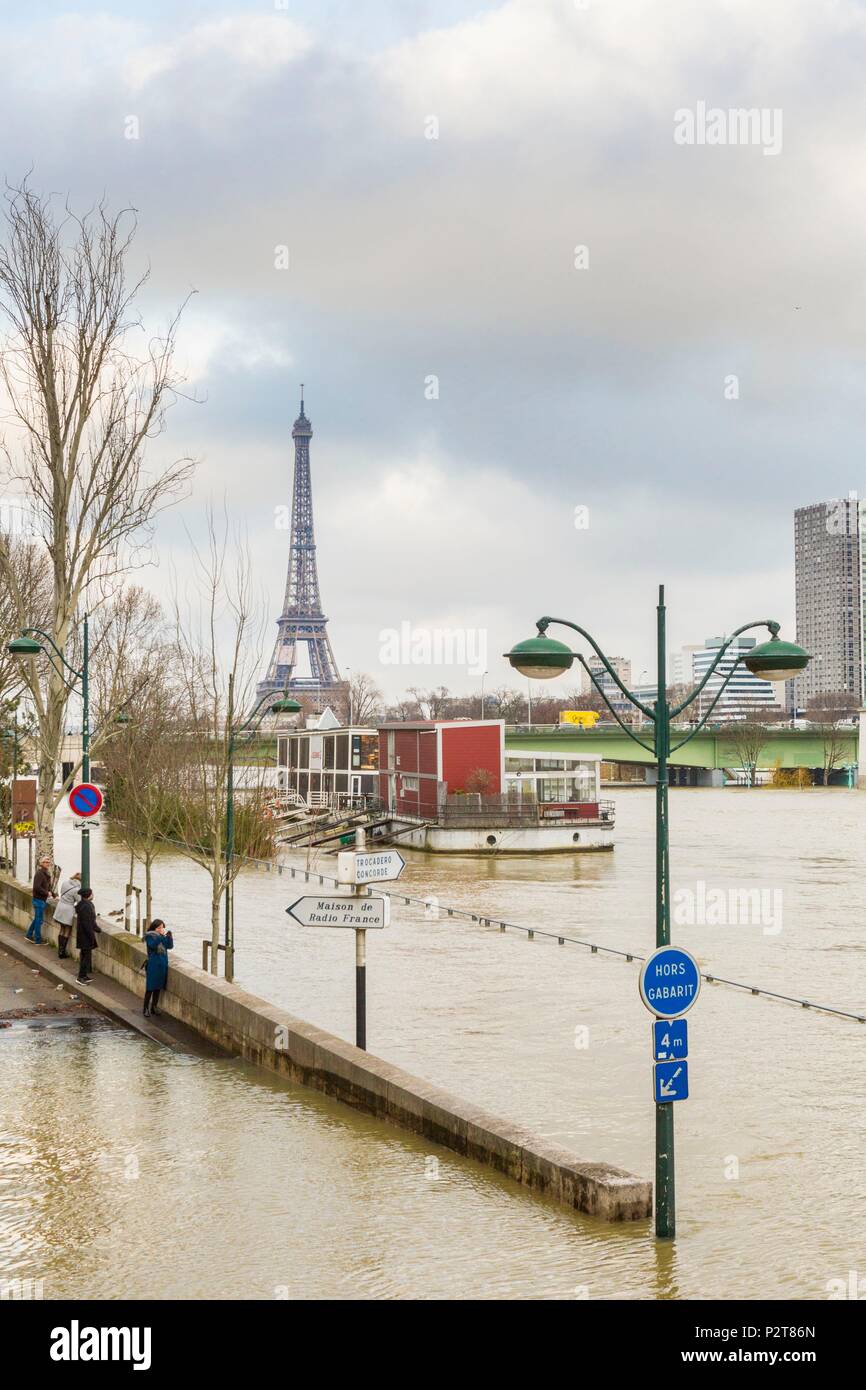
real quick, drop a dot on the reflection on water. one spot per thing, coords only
(126, 1170)
(259, 1187)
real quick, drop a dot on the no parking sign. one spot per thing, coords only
(85, 800)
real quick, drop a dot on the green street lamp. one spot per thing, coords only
(266, 705)
(541, 658)
(27, 648)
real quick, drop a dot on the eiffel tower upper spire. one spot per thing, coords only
(302, 425)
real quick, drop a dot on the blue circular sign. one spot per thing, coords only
(670, 982)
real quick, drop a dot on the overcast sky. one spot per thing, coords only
(603, 387)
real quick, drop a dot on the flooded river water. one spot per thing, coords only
(263, 1190)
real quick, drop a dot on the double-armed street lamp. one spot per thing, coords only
(265, 706)
(26, 647)
(541, 658)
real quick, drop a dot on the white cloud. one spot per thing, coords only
(260, 43)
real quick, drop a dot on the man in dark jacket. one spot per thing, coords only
(41, 894)
(85, 934)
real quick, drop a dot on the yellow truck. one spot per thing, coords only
(583, 718)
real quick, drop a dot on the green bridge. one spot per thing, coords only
(711, 749)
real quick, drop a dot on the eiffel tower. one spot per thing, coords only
(302, 619)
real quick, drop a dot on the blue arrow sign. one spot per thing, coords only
(670, 1039)
(670, 1081)
(670, 982)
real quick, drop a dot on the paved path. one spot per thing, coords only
(37, 971)
(27, 993)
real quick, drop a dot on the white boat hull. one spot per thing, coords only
(537, 839)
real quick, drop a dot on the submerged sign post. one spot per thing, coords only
(670, 982)
(360, 910)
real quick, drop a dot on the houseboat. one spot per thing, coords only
(448, 787)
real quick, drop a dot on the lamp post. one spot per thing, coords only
(541, 658)
(266, 705)
(484, 675)
(26, 648)
(349, 695)
(11, 735)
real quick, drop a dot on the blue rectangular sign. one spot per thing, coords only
(670, 1081)
(670, 1039)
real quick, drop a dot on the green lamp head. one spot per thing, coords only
(540, 658)
(776, 660)
(24, 647)
(286, 705)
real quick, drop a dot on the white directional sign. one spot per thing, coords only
(360, 913)
(360, 867)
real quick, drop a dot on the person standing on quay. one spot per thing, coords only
(87, 928)
(64, 913)
(41, 894)
(159, 942)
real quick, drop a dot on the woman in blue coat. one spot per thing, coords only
(159, 942)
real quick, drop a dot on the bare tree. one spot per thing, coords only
(141, 767)
(432, 704)
(832, 706)
(218, 646)
(506, 704)
(404, 709)
(31, 568)
(363, 699)
(828, 713)
(83, 401)
(747, 739)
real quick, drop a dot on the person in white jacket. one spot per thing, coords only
(64, 913)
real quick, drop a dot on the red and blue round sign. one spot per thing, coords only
(85, 800)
